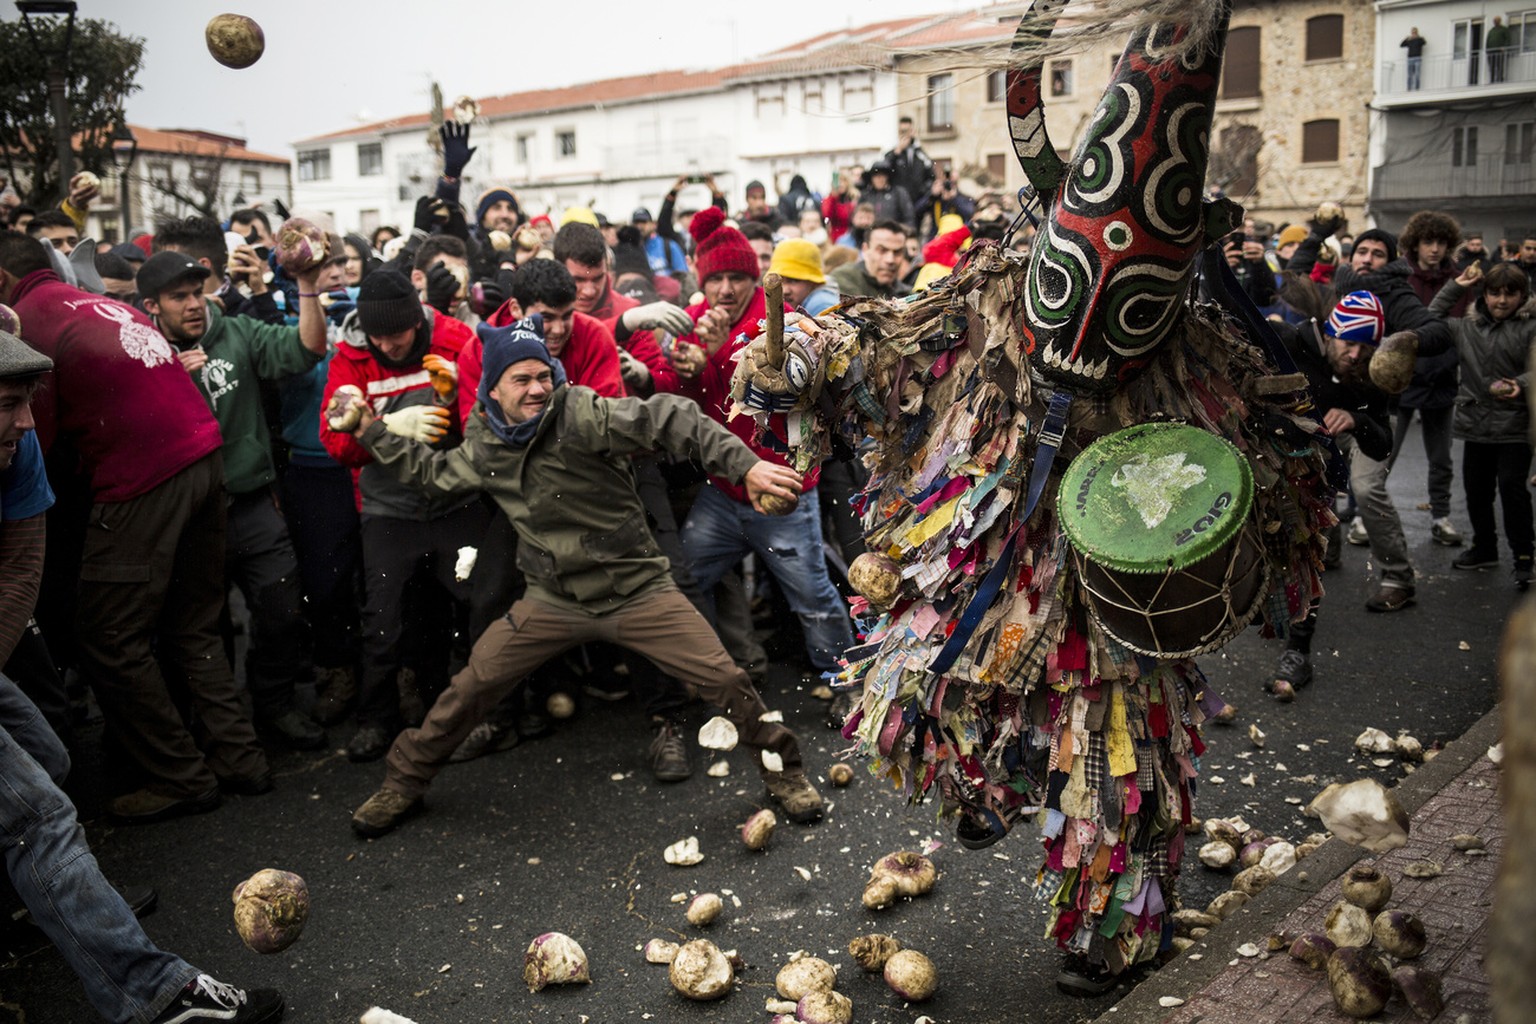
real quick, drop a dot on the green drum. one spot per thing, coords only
(1160, 519)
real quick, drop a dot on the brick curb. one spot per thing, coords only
(1260, 916)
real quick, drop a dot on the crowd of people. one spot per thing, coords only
(365, 449)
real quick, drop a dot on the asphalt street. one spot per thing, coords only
(567, 833)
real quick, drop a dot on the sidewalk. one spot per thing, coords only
(1456, 792)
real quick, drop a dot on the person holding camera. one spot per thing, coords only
(945, 198)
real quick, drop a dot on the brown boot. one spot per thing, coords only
(795, 795)
(335, 692)
(384, 812)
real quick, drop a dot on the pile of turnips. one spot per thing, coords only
(1363, 948)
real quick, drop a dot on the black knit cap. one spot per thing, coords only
(387, 304)
(629, 255)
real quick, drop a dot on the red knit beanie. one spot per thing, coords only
(720, 249)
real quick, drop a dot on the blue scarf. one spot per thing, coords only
(504, 346)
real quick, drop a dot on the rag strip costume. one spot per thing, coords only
(1033, 600)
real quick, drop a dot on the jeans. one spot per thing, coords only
(1389, 548)
(125, 977)
(1502, 467)
(720, 531)
(1436, 426)
(1415, 66)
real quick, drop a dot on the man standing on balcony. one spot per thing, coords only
(1414, 44)
(1497, 45)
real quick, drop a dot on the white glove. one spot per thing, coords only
(425, 423)
(635, 373)
(668, 317)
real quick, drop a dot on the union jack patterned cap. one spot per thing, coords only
(1358, 318)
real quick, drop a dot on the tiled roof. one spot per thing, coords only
(193, 143)
(867, 46)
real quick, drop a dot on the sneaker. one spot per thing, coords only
(795, 795)
(1472, 558)
(1390, 599)
(335, 693)
(384, 812)
(1078, 977)
(144, 806)
(669, 752)
(1523, 572)
(369, 743)
(294, 730)
(208, 999)
(1293, 673)
(1357, 535)
(1442, 532)
(485, 738)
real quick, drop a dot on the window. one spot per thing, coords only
(997, 86)
(1061, 78)
(250, 182)
(524, 147)
(1325, 37)
(1320, 142)
(858, 96)
(315, 165)
(160, 174)
(770, 102)
(997, 167)
(1240, 68)
(1464, 146)
(1518, 139)
(565, 142)
(368, 221)
(941, 103)
(1523, 29)
(813, 101)
(370, 159)
(1235, 163)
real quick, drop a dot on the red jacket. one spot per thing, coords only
(712, 389)
(641, 344)
(118, 394)
(389, 390)
(590, 357)
(838, 213)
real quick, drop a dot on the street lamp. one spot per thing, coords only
(58, 77)
(124, 148)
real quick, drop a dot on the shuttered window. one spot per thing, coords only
(1240, 70)
(1325, 37)
(1320, 142)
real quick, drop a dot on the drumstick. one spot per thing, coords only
(773, 286)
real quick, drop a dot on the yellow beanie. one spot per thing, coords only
(799, 259)
(579, 215)
(1294, 233)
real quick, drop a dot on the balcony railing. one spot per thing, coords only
(1458, 76)
(1490, 178)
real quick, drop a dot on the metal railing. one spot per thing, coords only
(1459, 75)
(1490, 177)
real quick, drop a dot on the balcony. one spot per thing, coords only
(1490, 182)
(1449, 79)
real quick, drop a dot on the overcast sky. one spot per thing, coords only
(331, 64)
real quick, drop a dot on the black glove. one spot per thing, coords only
(428, 210)
(442, 288)
(488, 295)
(456, 148)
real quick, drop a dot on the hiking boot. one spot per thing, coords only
(1473, 558)
(1390, 599)
(1078, 977)
(1442, 532)
(843, 703)
(1522, 572)
(294, 730)
(144, 806)
(1357, 535)
(384, 812)
(369, 743)
(669, 752)
(210, 1000)
(334, 694)
(1293, 673)
(485, 738)
(795, 795)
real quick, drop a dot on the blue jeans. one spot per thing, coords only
(1415, 65)
(719, 532)
(125, 977)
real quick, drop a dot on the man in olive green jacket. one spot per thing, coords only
(557, 460)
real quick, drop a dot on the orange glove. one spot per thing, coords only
(445, 375)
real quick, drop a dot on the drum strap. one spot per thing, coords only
(1046, 446)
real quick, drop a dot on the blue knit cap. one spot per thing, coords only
(504, 346)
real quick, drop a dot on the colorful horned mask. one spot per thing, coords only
(1116, 248)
